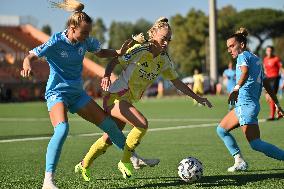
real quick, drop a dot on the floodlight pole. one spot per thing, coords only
(212, 42)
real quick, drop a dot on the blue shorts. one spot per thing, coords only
(247, 114)
(72, 102)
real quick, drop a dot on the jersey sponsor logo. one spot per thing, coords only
(81, 51)
(64, 54)
(145, 64)
(148, 76)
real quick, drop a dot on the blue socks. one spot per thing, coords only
(55, 145)
(268, 149)
(114, 133)
(228, 140)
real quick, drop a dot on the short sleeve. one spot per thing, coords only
(45, 48)
(168, 71)
(93, 45)
(131, 55)
(243, 60)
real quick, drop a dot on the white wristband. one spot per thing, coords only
(237, 87)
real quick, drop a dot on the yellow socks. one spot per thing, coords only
(132, 140)
(97, 149)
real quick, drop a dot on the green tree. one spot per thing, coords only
(262, 24)
(189, 39)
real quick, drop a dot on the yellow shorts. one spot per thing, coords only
(109, 99)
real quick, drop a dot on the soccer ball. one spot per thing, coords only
(190, 169)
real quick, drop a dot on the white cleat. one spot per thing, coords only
(48, 181)
(139, 162)
(239, 166)
(49, 185)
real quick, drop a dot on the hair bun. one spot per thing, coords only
(242, 31)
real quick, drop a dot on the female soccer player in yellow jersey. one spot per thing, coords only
(141, 65)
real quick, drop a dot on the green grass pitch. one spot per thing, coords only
(177, 130)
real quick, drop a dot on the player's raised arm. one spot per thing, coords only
(186, 90)
(104, 53)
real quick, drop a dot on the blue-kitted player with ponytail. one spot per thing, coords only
(64, 52)
(245, 96)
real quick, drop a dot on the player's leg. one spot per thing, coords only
(228, 123)
(252, 134)
(126, 112)
(96, 150)
(93, 113)
(58, 117)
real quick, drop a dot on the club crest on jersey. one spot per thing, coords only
(64, 54)
(80, 51)
(126, 57)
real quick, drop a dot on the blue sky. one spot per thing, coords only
(122, 10)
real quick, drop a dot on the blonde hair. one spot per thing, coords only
(73, 6)
(162, 22)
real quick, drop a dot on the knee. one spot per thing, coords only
(144, 124)
(221, 131)
(106, 139)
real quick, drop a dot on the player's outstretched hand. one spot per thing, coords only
(233, 98)
(105, 83)
(125, 46)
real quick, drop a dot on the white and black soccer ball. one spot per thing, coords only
(190, 169)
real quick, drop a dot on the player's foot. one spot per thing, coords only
(125, 169)
(139, 162)
(238, 166)
(85, 172)
(270, 119)
(48, 182)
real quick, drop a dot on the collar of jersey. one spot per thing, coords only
(65, 38)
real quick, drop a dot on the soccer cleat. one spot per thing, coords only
(125, 169)
(139, 162)
(48, 182)
(84, 171)
(238, 166)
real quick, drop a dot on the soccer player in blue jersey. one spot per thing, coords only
(246, 94)
(230, 75)
(64, 52)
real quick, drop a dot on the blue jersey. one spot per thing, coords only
(65, 61)
(251, 90)
(231, 76)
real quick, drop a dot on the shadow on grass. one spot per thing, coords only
(209, 181)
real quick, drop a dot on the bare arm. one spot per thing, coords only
(105, 83)
(244, 75)
(27, 69)
(105, 53)
(186, 90)
(233, 98)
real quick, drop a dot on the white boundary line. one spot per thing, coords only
(99, 134)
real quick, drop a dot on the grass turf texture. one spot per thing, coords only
(23, 163)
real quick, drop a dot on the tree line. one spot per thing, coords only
(189, 47)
